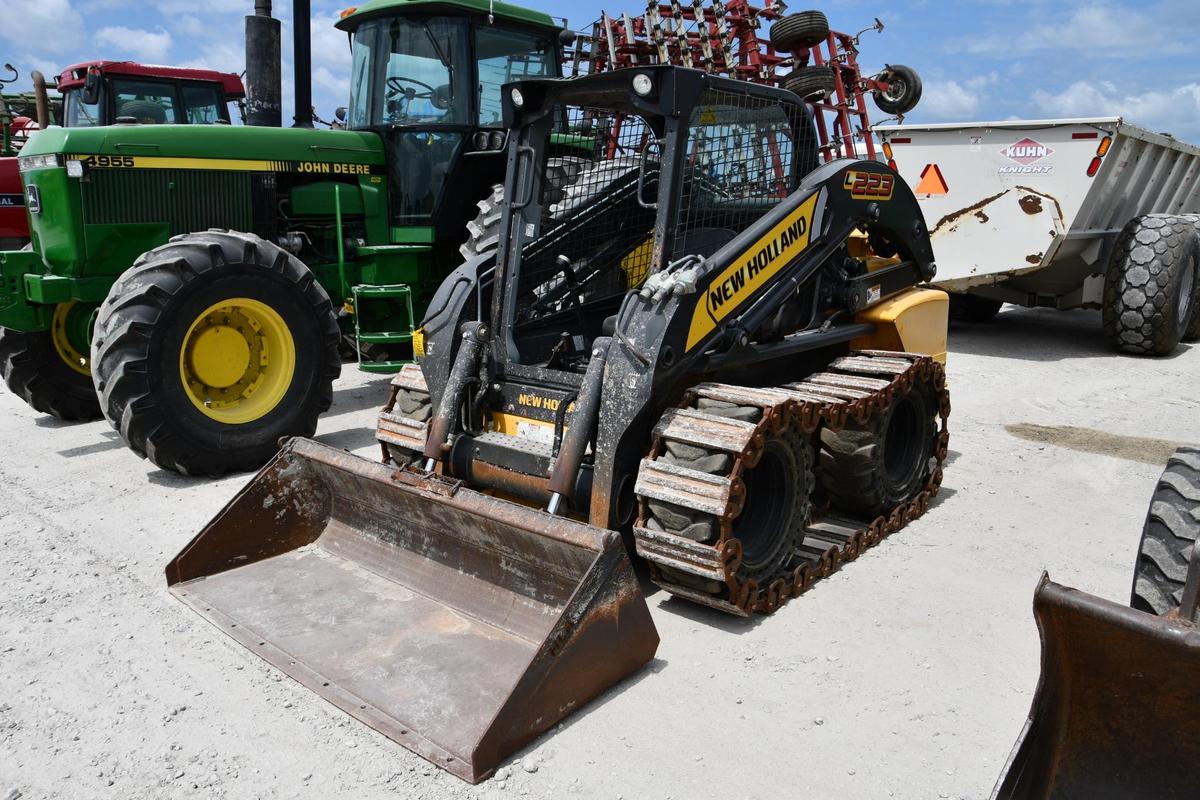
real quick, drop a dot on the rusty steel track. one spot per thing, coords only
(404, 419)
(855, 387)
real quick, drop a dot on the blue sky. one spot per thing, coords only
(979, 60)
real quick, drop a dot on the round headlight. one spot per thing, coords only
(517, 98)
(480, 140)
(497, 140)
(642, 84)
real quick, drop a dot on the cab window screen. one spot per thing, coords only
(506, 56)
(203, 105)
(148, 102)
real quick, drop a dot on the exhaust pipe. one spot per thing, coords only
(263, 103)
(302, 60)
(41, 100)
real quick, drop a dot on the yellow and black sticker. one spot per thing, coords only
(751, 270)
(225, 164)
(869, 185)
(418, 343)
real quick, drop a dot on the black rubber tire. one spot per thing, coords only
(36, 373)
(904, 90)
(870, 468)
(483, 232)
(139, 332)
(783, 478)
(1156, 260)
(969, 308)
(810, 83)
(799, 30)
(1192, 332)
(1171, 530)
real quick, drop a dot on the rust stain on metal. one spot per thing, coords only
(1034, 258)
(1030, 204)
(1057, 205)
(982, 216)
(955, 215)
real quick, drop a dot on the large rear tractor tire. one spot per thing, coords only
(213, 347)
(870, 468)
(1171, 531)
(1152, 285)
(50, 370)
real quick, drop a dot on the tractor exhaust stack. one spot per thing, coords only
(263, 106)
(302, 59)
(460, 625)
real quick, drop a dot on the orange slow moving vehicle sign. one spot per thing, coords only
(932, 181)
(751, 270)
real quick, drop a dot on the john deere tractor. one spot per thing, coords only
(194, 284)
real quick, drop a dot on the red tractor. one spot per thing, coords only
(107, 93)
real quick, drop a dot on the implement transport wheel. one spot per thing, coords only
(969, 308)
(1151, 288)
(213, 347)
(870, 468)
(810, 83)
(799, 30)
(903, 92)
(49, 370)
(1171, 531)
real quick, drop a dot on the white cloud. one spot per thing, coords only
(947, 100)
(141, 45)
(1102, 31)
(1175, 111)
(55, 25)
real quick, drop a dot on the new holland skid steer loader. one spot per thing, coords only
(659, 358)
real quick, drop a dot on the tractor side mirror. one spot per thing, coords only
(339, 113)
(566, 37)
(91, 87)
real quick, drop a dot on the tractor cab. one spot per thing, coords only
(121, 92)
(427, 77)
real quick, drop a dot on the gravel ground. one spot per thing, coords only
(907, 675)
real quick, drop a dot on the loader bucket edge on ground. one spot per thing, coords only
(1115, 711)
(458, 624)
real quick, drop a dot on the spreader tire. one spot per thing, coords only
(904, 90)
(969, 308)
(799, 30)
(810, 83)
(35, 371)
(213, 347)
(1152, 283)
(870, 468)
(1171, 530)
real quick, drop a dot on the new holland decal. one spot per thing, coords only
(225, 164)
(752, 270)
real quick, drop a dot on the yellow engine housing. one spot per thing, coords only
(913, 321)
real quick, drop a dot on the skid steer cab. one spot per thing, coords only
(659, 359)
(199, 285)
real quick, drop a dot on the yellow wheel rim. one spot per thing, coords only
(62, 340)
(237, 360)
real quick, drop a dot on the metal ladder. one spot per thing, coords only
(369, 292)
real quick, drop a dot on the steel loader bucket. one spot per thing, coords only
(457, 624)
(1117, 709)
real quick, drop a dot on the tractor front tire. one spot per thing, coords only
(212, 348)
(1171, 531)
(1152, 283)
(35, 371)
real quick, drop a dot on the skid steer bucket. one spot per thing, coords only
(1117, 709)
(457, 624)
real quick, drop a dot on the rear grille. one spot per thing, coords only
(187, 200)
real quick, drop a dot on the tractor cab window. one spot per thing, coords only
(78, 114)
(203, 105)
(416, 73)
(506, 56)
(147, 102)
